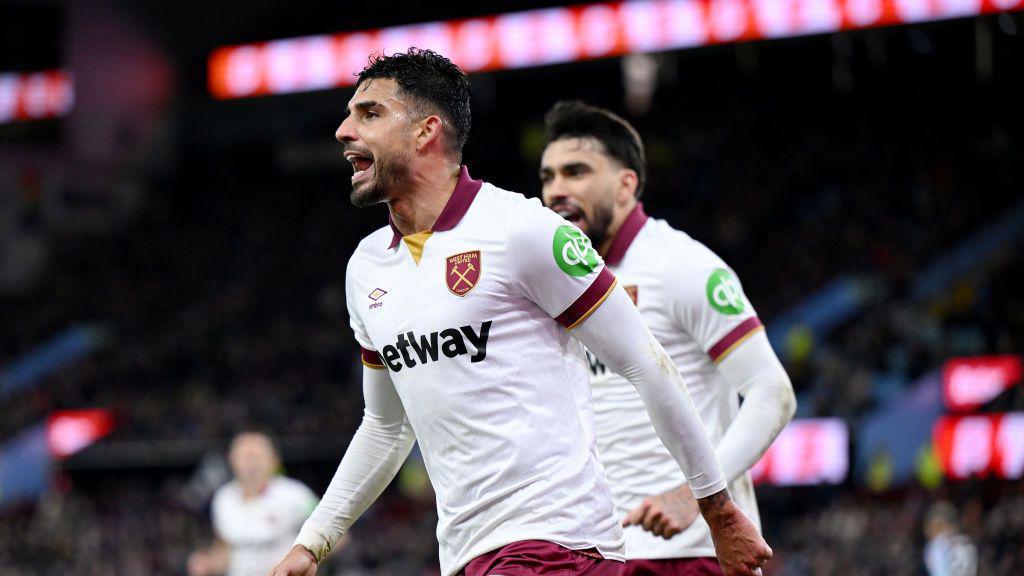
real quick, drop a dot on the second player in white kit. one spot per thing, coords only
(695, 307)
(256, 515)
(260, 530)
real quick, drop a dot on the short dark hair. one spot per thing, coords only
(575, 119)
(438, 84)
(255, 429)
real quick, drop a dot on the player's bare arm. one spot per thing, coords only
(734, 536)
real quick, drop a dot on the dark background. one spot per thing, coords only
(209, 240)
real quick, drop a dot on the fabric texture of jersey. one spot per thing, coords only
(496, 390)
(695, 307)
(259, 531)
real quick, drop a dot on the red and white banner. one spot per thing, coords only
(988, 444)
(970, 383)
(556, 35)
(70, 431)
(808, 451)
(36, 95)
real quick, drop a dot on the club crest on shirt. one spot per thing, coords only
(462, 272)
(632, 291)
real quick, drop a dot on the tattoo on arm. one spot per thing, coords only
(714, 503)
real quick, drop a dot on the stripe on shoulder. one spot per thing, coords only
(592, 297)
(734, 338)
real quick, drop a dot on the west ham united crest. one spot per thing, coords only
(462, 272)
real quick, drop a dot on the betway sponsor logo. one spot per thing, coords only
(411, 349)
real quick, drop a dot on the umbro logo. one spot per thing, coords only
(376, 295)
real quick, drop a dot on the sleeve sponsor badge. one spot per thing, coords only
(573, 252)
(724, 293)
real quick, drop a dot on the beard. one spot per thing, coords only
(388, 174)
(597, 227)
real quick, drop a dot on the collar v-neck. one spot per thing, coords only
(456, 207)
(624, 237)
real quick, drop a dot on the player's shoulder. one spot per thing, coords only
(697, 275)
(688, 255)
(495, 198)
(371, 248)
(514, 215)
(289, 487)
(375, 242)
(227, 495)
(524, 214)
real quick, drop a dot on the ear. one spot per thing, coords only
(428, 132)
(628, 182)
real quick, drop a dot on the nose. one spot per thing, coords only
(553, 191)
(553, 199)
(345, 132)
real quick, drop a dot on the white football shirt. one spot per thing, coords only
(695, 307)
(259, 531)
(497, 391)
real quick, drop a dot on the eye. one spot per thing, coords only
(370, 114)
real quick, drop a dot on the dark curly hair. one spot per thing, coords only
(575, 119)
(438, 86)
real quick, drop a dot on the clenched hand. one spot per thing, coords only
(298, 562)
(665, 514)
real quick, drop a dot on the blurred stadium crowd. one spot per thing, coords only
(223, 303)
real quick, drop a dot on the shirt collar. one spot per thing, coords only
(624, 237)
(457, 206)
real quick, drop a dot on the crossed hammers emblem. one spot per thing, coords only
(462, 275)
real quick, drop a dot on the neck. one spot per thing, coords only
(416, 208)
(250, 491)
(618, 217)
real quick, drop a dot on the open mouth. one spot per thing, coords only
(568, 211)
(362, 164)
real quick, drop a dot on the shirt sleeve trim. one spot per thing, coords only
(591, 298)
(734, 338)
(371, 359)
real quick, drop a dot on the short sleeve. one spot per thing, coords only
(368, 354)
(707, 300)
(555, 266)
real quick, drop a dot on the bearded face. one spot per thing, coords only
(376, 175)
(579, 183)
(593, 216)
(378, 138)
